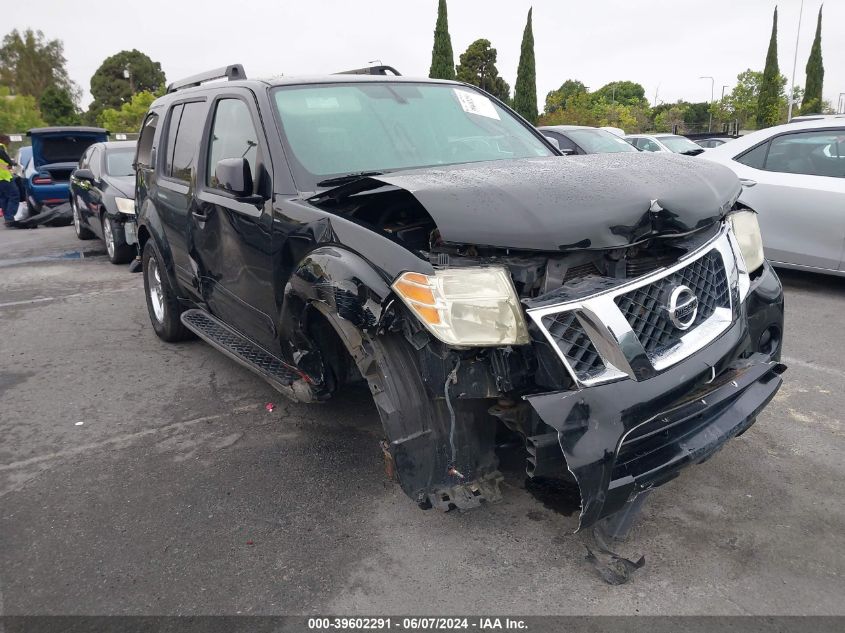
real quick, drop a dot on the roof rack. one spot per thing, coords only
(371, 70)
(233, 72)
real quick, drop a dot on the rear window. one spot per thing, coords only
(145, 143)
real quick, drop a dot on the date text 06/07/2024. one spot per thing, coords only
(416, 623)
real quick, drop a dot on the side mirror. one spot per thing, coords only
(83, 174)
(553, 141)
(234, 176)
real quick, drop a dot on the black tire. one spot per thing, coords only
(117, 249)
(164, 310)
(83, 233)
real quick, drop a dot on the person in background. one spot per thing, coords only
(9, 195)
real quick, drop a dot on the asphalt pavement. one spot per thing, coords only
(140, 477)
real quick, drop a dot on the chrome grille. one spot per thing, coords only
(626, 332)
(574, 344)
(644, 307)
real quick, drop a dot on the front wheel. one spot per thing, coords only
(82, 232)
(118, 250)
(162, 304)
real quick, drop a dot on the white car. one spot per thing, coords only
(664, 143)
(794, 177)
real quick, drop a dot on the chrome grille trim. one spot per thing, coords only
(621, 352)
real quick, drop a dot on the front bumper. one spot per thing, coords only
(627, 436)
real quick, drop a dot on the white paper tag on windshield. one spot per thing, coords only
(475, 103)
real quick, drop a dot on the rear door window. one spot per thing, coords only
(816, 153)
(188, 136)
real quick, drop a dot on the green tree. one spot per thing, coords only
(624, 92)
(525, 90)
(121, 76)
(57, 107)
(815, 74)
(557, 99)
(442, 57)
(30, 63)
(768, 101)
(129, 116)
(18, 113)
(478, 67)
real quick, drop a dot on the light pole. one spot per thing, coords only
(723, 91)
(127, 74)
(712, 90)
(840, 106)
(794, 64)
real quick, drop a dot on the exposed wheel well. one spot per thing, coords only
(338, 363)
(143, 236)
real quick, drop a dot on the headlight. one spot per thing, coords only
(469, 307)
(125, 205)
(747, 232)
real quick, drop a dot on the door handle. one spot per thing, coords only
(199, 215)
(747, 182)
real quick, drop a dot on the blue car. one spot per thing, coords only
(55, 154)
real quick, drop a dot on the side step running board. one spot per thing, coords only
(236, 346)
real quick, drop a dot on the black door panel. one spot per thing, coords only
(232, 240)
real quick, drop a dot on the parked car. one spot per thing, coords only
(709, 143)
(22, 158)
(664, 143)
(613, 312)
(581, 139)
(55, 154)
(102, 197)
(794, 177)
(837, 118)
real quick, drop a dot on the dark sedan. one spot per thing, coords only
(102, 198)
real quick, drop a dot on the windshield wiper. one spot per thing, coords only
(693, 152)
(347, 178)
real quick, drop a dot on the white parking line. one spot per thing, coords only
(121, 439)
(23, 302)
(833, 371)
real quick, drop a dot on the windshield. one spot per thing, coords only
(339, 129)
(599, 141)
(119, 162)
(679, 144)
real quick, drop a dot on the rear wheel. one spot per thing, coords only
(162, 304)
(118, 250)
(82, 232)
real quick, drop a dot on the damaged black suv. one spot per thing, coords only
(613, 310)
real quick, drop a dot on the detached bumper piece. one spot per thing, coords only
(617, 446)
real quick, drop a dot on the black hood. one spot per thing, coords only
(125, 185)
(555, 203)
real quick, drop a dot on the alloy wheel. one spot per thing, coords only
(107, 235)
(156, 290)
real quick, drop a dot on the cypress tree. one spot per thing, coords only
(442, 58)
(525, 92)
(768, 101)
(815, 74)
